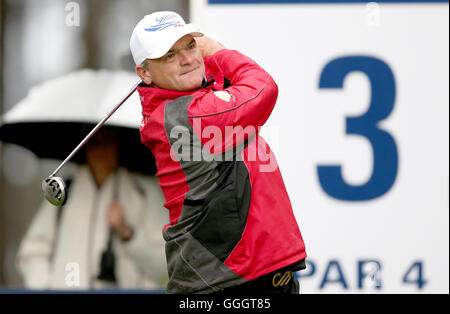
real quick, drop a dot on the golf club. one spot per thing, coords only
(53, 187)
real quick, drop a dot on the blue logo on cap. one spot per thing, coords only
(162, 26)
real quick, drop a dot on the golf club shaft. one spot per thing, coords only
(95, 129)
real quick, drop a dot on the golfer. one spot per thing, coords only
(232, 228)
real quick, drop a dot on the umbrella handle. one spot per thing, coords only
(95, 129)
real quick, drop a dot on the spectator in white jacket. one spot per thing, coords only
(63, 247)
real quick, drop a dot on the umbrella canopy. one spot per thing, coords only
(56, 115)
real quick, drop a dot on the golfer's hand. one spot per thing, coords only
(116, 220)
(208, 46)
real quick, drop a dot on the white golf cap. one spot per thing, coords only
(156, 33)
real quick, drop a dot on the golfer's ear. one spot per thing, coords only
(144, 74)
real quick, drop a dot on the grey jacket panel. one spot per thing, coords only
(197, 246)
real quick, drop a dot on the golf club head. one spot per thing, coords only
(54, 190)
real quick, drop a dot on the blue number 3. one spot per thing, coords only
(385, 156)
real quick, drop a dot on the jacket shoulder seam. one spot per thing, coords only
(234, 108)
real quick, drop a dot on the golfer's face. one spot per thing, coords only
(181, 68)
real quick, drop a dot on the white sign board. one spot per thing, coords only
(360, 131)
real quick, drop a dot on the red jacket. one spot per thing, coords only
(231, 219)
